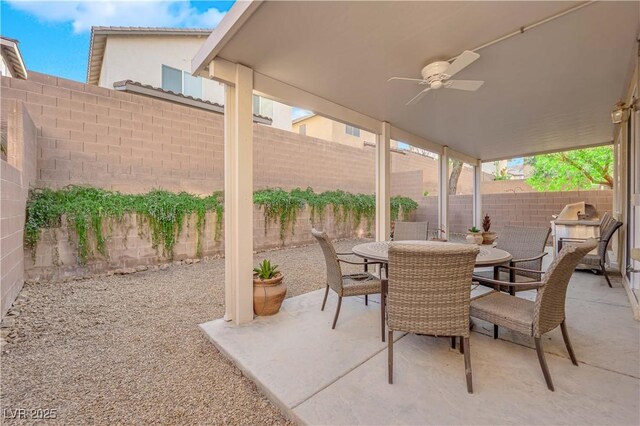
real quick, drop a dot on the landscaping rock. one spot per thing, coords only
(105, 351)
(141, 268)
(7, 322)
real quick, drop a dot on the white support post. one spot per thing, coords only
(383, 183)
(443, 195)
(238, 199)
(477, 194)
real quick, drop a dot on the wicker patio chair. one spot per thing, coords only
(539, 317)
(404, 231)
(598, 262)
(526, 245)
(360, 284)
(428, 292)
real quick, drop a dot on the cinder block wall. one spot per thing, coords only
(56, 256)
(520, 209)
(83, 134)
(17, 174)
(132, 143)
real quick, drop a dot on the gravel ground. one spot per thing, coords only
(127, 350)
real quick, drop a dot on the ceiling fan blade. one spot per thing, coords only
(419, 96)
(470, 85)
(465, 59)
(407, 79)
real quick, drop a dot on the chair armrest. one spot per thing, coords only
(540, 256)
(359, 263)
(492, 282)
(513, 268)
(577, 240)
(347, 253)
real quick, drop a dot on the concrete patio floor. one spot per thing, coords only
(321, 376)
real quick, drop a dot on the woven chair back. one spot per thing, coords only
(523, 243)
(334, 272)
(429, 288)
(550, 300)
(606, 218)
(405, 231)
(605, 236)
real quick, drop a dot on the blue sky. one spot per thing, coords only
(54, 35)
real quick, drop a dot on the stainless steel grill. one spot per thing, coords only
(577, 220)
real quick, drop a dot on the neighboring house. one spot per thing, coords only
(161, 58)
(323, 128)
(329, 130)
(11, 63)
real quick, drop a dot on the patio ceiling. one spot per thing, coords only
(550, 88)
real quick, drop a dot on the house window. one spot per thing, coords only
(179, 81)
(262, 106)
(353, 131)
(171, 79)
(192, 86)
(303, 129)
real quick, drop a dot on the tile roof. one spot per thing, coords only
(10, 49)
(150, 30)
(99, 39)
(147, 89)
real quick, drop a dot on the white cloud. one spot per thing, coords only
(83, 14)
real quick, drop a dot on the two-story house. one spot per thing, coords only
(161, 58)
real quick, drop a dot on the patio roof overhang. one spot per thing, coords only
(550, 86)
(552, 70)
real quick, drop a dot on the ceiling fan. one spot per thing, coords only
(437, 75)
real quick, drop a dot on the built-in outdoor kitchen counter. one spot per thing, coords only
(577, 220)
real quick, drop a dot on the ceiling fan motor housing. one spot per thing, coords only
(435, 69)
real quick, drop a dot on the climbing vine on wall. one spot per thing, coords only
(89, 209)
(283, 206)
(93, 211)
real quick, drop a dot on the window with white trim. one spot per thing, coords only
(262, 106)
(353, 131)
(179, 81)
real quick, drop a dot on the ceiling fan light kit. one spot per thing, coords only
(437, 75)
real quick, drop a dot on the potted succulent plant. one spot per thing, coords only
(488, 237)
(268, 289)
(474, 236)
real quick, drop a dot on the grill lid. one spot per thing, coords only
(578, 211)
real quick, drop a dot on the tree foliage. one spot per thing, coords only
(570, 170)
(456, 169)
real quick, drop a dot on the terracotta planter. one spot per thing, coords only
(474, 238)
(268, 295)
(488, 237)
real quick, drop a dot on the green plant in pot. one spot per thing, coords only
(474, 236)
(488, 237)
(268, 289)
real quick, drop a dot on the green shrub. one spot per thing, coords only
(87, 209)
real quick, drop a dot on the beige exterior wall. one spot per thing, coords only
(140, 58)
(17, 175)
(329, 130)
(5, 68)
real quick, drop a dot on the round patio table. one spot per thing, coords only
(378, 250)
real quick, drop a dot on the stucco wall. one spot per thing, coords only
(17, 174)
(324, 128)
(140, 58)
